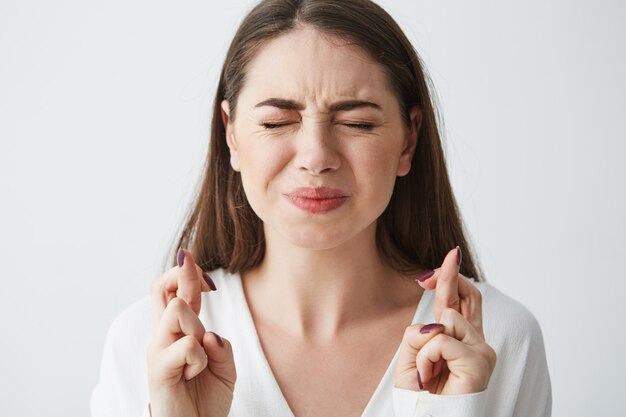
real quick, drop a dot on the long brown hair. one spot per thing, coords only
(420, 224)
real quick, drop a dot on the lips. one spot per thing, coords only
(317, 200)
(316, 193)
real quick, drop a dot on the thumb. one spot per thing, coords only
(415, 337)
(220, 357)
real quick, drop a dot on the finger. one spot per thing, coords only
(415, 337)
(440, 347)
(177, 321)
(220, 354)
(470, 296)
(447, 290)
(164, 288)
(185, 358)
(171, 284)
(471, 303)
(460, 328)
(439, 367)
(428, 279)
(189, 280)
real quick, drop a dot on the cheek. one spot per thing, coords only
(379, 163)
(376, 175)
(261, 163)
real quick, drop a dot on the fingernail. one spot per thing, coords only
(220, 341)
(419, 380)
(430, 327)
(424, 276)
(209, 281)
(181, 257)
(459, 255)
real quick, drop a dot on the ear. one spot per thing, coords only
(410, 141)
(230, 137)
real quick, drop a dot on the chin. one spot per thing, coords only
(314, 237)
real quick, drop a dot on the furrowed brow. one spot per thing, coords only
(353, 104)
(348, 105)
(281, 104)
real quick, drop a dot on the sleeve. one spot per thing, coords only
(534, 393)
(122, 389)
(407, 403)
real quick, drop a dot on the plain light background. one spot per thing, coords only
(104, 117)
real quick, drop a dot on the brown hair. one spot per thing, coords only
(420, 224)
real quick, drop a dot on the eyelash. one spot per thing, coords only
(360, 126)
(270, 126)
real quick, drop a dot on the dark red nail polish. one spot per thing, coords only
(419, 380)
(209, 281)
(459, 255)
(424, 276)
(220, 341)
(181, 257)
(430, 327)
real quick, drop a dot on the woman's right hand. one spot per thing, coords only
(191, 372)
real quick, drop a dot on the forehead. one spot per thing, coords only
(305, 64)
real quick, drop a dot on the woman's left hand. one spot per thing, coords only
(451, 356)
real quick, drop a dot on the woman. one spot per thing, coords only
(327, 223)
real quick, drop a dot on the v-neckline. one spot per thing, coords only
(267, 369)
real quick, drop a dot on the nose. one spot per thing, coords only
(316, 150)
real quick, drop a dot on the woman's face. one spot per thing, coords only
(317, 112)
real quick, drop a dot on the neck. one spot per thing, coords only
(317, 293)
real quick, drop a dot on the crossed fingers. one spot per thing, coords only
(454, 290)
(186, 281)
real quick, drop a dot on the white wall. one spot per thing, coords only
(104, 112)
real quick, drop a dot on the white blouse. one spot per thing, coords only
(519, 385)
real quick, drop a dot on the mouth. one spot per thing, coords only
(317, 200)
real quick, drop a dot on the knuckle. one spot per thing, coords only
(479, 295)
(440, 340)
(448, 300)
(176, 305)
(188, 343)
(449, 314)
(488, 354)
(198, 332)
(492, 356)
(411, 331)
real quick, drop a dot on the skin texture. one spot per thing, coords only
(317, 146)
(315, 264)
(322, 294)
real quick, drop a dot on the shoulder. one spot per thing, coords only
(508, 324)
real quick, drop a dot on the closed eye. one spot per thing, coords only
(361, 126)
(274, 125)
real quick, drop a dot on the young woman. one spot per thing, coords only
(326, 222)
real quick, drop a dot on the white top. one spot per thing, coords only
(519, 385)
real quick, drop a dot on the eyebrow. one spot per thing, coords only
(339, 106)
